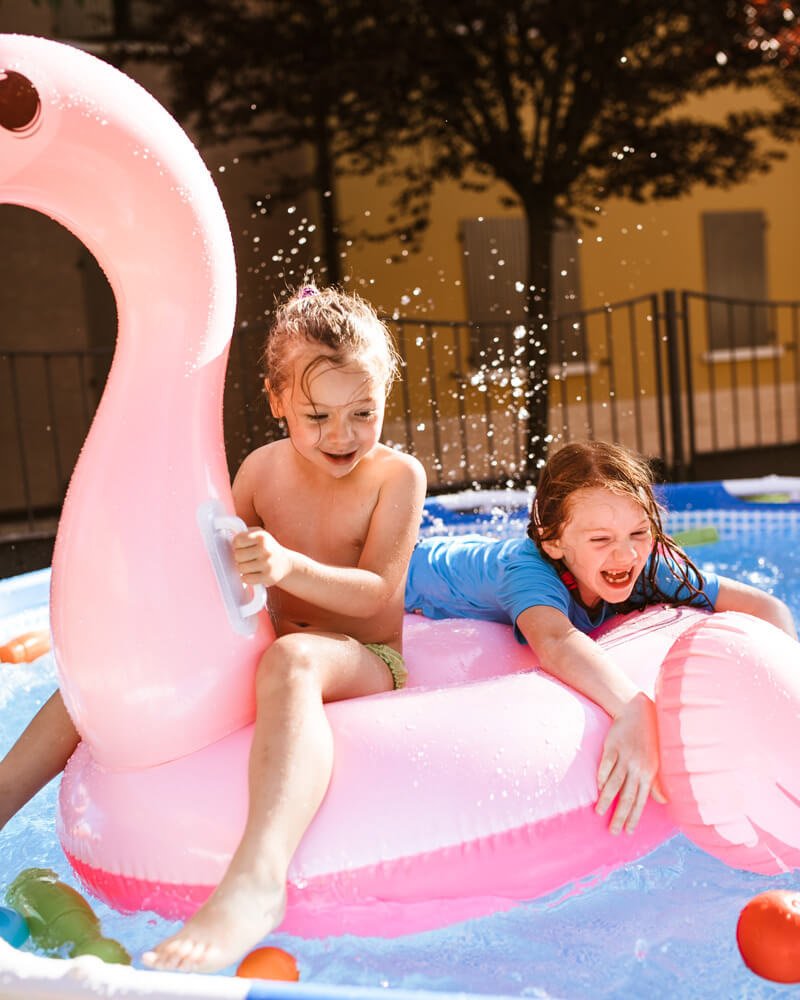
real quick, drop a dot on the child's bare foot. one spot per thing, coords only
(233, 920)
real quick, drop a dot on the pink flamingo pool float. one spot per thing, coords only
(472, 789)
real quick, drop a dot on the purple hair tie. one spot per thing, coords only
(305, 291)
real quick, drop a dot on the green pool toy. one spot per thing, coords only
(60, 918)
(696, 536)
(768, 498)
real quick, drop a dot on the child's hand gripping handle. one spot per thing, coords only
(231, 524)
(217, 526)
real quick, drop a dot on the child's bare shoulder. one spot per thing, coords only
(257, 459)
(399, 464)
(257, 468)
(391, 458)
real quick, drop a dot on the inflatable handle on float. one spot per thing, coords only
(259, 599)
(59, 917)
(85, 145)
(215, 526)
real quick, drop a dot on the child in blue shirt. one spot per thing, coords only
(595, 548)
(471, 576)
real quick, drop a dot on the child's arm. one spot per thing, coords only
(243, 490)
(629, 764)
(735, 596)
(40, 753)
(356, 591)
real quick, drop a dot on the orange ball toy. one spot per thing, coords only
(26, 648)
(269, 963)
(768, 935)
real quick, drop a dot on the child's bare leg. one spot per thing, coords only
(290, 767)
(40, 753)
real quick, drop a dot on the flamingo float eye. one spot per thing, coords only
(20, 105)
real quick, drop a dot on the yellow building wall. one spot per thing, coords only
(641, 248)
(632, 249)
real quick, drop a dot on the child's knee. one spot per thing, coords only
(289, 661)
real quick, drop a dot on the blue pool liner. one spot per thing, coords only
(730, 508)
(718, 496)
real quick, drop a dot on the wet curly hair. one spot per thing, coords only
(584, 465)
(340, 321)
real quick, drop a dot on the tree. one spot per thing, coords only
(774, 30)
(567, 105)
(564, 105)
(275, 76)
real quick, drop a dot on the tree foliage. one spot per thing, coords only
(563, 104)
(568, 105)
(278, 76)
(774, 30)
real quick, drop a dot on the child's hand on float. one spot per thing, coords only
(629, 765)
(260, 558)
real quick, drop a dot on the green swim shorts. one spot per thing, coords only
(393, 660)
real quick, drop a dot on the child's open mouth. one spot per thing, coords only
(344, 459)
(618, 578)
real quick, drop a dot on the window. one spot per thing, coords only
(735, 265)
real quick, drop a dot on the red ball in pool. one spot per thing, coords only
(269, 963)
(768, 935)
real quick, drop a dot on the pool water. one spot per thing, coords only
(661, 927)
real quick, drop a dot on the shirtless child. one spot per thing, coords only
(340, 514)
(335, 516)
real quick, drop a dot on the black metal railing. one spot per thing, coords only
(740, 376)
(463, 397)
(672, 375)
(47, 400)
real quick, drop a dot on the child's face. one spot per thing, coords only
(604, 544)
(334, 417)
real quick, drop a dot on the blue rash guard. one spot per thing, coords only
(471, 576)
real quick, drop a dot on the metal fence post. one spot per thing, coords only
(675, 381)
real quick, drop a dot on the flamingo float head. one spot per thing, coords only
(151, 666)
